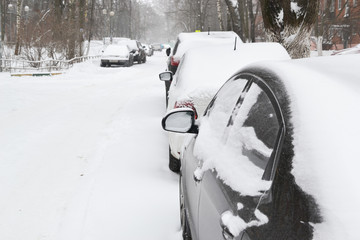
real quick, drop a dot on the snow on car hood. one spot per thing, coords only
(325, 97)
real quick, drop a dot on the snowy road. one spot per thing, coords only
(83, 156)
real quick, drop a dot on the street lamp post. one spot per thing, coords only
(26, 9)
(111, 15)
(10, 7)
(104, 11)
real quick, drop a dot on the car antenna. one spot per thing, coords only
(235, 43)
(208, 30)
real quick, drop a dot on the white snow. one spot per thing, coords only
(202, 72)
(295, 8)
(325, 108)
(201, 39)
(236, 225)
(83, 156)
(117, 50)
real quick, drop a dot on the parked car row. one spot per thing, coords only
(273, 153)
(125, 52)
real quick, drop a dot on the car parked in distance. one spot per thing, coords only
(117, 55)
(276, 155)
(157, 47)
(200, 75)
(148, 49)
(352, 50)
(136, 49)
(186, 41)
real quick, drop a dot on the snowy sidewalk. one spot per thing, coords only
(84, 157)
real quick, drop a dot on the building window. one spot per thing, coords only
(355, 3)
(339, 4)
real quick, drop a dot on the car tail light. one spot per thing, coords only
(173, 62)
(186, 104)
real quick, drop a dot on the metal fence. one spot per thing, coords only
(15, 65)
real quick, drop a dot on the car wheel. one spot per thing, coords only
(102, 65)
(174, 163)
(144, 61)
(186, 234)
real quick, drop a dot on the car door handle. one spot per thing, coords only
(196, 178)
(198, 174)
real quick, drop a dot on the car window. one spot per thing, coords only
(254, 127)
(176, 47)
(222, 105)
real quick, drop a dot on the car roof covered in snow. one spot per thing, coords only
(116, 50)
(324, 95)
(200, 39)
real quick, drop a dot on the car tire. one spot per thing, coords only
(174, 163)
(144, 61)
(102, 64)
(186, 233)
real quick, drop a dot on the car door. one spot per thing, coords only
(241, 167)
(220, 107)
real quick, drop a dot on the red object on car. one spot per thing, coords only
(186, 104)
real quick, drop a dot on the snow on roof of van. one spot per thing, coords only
(206, 35)
(200, 39)
(117, 50)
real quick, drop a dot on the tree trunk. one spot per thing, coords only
(2, 15)
(72, 31)
(291, 29)
(81, 30)
(234, 17)
(252, 21)
(19, 5)
(219, 14)
(91, 23)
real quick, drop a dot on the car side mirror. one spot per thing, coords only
(166, 76)
(168, 51)
(180, 120)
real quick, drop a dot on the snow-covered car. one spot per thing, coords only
(276, 155)
(352, 50)
(148, 49)
(136, 49)
(187, 41)
(117, 55)
(200, 75)
(157, 47)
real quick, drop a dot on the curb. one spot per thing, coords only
(33, 74)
